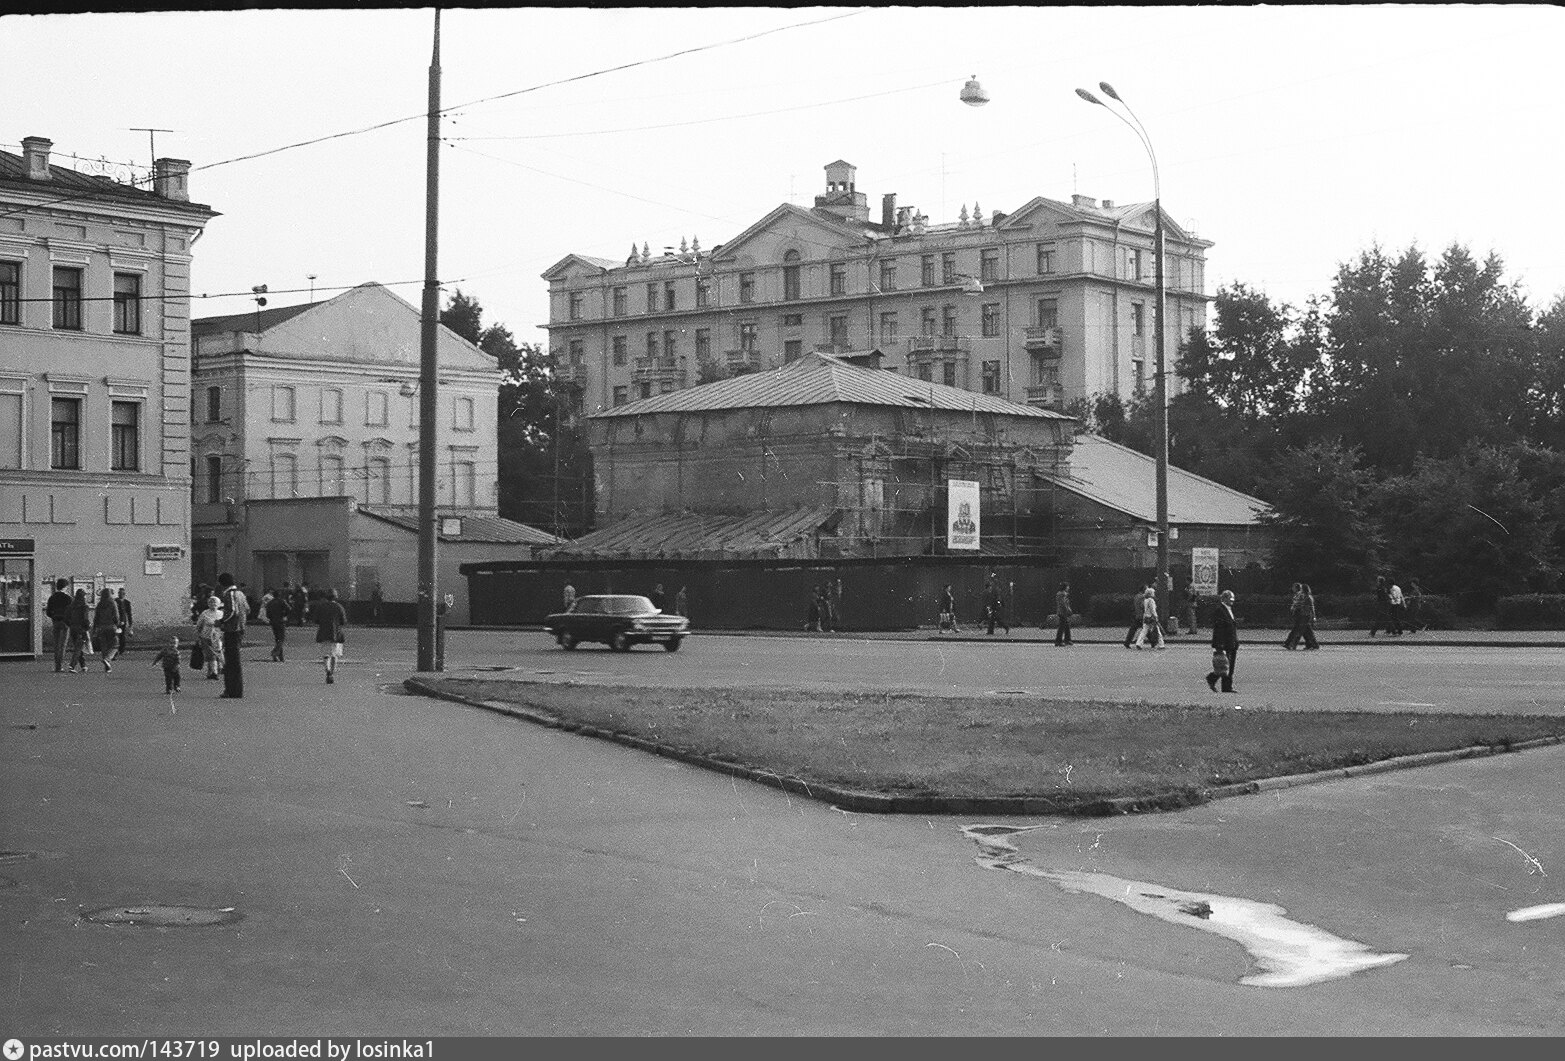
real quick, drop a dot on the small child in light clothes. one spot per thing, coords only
(169, 658)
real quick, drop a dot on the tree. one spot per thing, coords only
(1321, 516)
(1256, 360)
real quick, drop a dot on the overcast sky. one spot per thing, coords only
(1292, 137)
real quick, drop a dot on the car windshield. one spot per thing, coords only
(606, 605)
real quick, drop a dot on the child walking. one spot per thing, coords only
(170, 661)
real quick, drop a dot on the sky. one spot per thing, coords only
(1294, 138)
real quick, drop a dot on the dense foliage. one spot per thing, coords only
(1410, 423)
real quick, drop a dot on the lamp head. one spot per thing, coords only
(1108, 90)
(1089, 97)
(973, 93)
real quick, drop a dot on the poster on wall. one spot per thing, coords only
(961, 514)
(1203, 572)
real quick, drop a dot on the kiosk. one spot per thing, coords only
(21, 632)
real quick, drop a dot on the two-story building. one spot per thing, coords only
(1048, 303)
(305, 449)
(94, 386)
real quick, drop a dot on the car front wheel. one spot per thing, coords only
(567, 641)
(621, 643)
(672, 644)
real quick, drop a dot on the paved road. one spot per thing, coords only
(408, 867)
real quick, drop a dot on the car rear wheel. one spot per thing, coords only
(621, 643)
(567, 641)
(672, 644)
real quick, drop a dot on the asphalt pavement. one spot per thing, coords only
(382, 864)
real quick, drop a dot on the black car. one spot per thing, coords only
(618, 621)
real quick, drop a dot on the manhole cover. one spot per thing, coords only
(152, 915)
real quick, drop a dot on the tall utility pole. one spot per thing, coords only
(428, 418)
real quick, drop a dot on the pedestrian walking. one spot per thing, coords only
(569, 596)
(947, 611)
(682, 603)
(1189, 609)
(658, 598)
(122, 602)
(168, 659)
(376, 600)
(330, 617)
(1398, 605)
(1137, 616)
(299, 603)
(106, 628)
(198, 602)
(58, 609)
(1151, 628)
(275, 611)
(1310, 644)
(1295, 618)
(209, 637)
(236, 610)
(1062, 613)
(79, 627)
(1382, 618)
(994, 604)
(827, 613)
(1225, 643)
(812, 611)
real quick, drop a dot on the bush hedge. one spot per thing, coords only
(1531, 611)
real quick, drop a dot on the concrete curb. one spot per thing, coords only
(1018, 806)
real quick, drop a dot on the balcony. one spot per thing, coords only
(568, 373)
(1043, 340)
(658, 370)
(743, 360)
(1046, 395)
(944, 344)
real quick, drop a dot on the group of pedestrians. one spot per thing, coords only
(1395, 612)
(82, 628)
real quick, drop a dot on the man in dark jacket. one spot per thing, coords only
(58, 609)
(236, 611)
(1225, 639)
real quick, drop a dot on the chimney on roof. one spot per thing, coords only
(171, 178)
(35, 150)
(888, 211)
(1084, 200)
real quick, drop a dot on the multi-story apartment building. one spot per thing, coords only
(94, 386)
(1051, 302)
(305, 439)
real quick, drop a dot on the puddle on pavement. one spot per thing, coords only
(1290, 954)
(1537, 913)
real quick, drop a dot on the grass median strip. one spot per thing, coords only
(1073, 753)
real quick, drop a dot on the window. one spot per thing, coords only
(214, 404)
(375, 409)
(576, 305)
(67, 298)
(1138, 319)
(619, 301)
(793, 320)
(333, 482)
(619, 395)
(791, 275)
(125, 440)
(703, 343)
(652, 297)
(10, 293)
(927, 324)
(574, 351)
(1141, 374)
(285, 475)
(888, 328)
(793, 349)
(1048, 313)
(331, 405)
(839, 278)
(746, 287)
(991, 320)
(618, 344)
(1132, 264)
(214, 479)
(644, 389)
(282, 404)
(747, 338)
(65, 433)
(127, 304)
(888, 276)
(669, 302)
(948, 320)
(837, 329)
(991, 377)
(703, 292)
(378, 481)
(11, 426)
(670, 345)
(948, 267)
(925, 373)
(464, 483)
(927, 270)
(462, 414)
(1045, 259)
(989, 264)
(652, 345)
(948, 373)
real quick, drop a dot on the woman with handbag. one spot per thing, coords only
(1225, 643)
(106, 628)
(209, 635)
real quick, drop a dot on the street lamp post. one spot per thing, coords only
(1160, 378)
